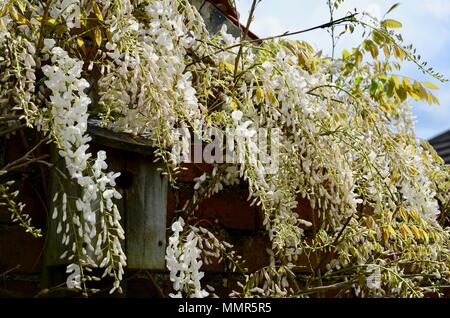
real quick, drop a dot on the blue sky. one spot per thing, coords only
(426, 24)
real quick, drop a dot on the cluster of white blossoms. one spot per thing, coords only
(68, 126)
(151, 87)
(156, 70)
(69, 10)
(337, 157)
(183, 262)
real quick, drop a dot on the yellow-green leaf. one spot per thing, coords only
(81, 44)
(429, 98)
(403, 214)
(396, 81)
(345, 54)
(416, 231)
(386, 51)
(378, 37)
(407, 84)
(259, 95)
(97, 11)
(358, 57)
(385, 234)
(233, 104)
(430, 85)
(48, 21)
(229, 67)
(21, 6)
(98, 37)
(22, 20)
(398, 53)
(390, 23)
(392, 231)
(419, 90)
(436, 100)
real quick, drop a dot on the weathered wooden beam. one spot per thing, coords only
(146, 208)
(122, 141)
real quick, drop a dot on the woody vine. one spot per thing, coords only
(149, 67)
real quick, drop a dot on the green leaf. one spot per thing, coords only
(373, 86)
(390, 86)
(378, 37)
(396, 81)
(393, 7)
(392, 24)
(229, 67)
(430, 85)
(345, 54)
(401, 93)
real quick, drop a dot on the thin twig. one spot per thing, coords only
(29, 162)
(336, 240)
(9, 118)
(347, 18)
(12, 129)
(10, 270)
(24, 157)
(41, 34)
(318, 289)
(247, 26)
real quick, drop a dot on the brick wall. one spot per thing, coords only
(20, 253)
(22, 270)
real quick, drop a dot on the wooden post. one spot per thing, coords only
(146, 206)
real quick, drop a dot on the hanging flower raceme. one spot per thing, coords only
(68, 126)
(183, 262)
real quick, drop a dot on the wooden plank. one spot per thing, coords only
(54, 247)
(146, 209)
(122, 141)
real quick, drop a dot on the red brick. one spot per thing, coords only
(230, 208)
(305, 211)
(253, 250)
(214, 267)
(176, 199)
(192, 171)
(20, 248)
